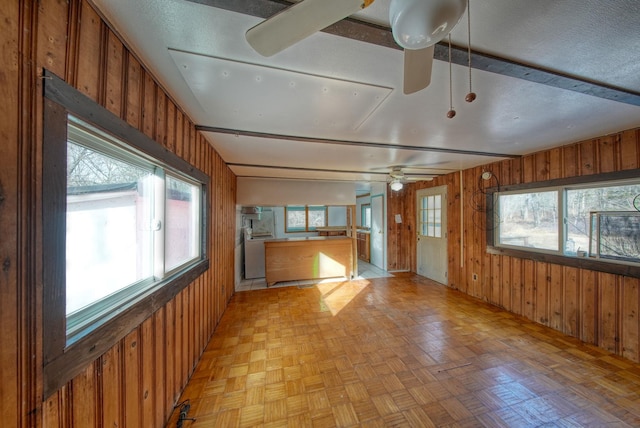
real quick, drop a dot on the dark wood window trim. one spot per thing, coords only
(62, 362)
(577, 262)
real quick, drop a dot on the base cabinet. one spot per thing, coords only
(310, 258)
(363, 246)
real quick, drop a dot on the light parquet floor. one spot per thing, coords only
(399, 351)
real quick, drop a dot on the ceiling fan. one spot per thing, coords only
(397, 178)
(417, 25)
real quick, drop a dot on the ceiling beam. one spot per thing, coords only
(238, 132)
(379, 35)
(341, 171)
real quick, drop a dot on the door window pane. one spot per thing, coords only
(431, 216)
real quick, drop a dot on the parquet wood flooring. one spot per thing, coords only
(400, 351)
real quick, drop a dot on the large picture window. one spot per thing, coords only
(596, 221)
(529, 219)
(130, 222)
(124, 229)
(305, 218)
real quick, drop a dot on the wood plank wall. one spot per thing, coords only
(137, 382)
(598, 308)
(399, 251)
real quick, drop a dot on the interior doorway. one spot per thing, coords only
(377, 237)
(432, 260)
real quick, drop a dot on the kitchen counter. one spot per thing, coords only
(316, 257)
(306, 238)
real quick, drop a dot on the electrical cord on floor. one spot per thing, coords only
(184, 406)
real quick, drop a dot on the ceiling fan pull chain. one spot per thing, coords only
(451, 113)
(471, 95)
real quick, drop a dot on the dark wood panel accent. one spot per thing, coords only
(630, 322)
(54, 215)
(90, 53)
(11, 311)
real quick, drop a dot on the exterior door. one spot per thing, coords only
(377, 231)
(432, 233)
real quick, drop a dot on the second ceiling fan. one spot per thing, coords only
(417, 25)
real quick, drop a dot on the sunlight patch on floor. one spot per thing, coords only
(337, 297)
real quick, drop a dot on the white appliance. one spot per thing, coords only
(261, 229)
(253, 257)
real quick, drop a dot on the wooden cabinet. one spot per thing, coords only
(308, 258)
(363, 246)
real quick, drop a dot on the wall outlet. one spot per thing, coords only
(475, 276)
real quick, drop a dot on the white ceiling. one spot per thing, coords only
(332, 108)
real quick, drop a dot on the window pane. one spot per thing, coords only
(580, 202)
(367, 217)
(108, 238)
(296, 218)
(182, 228)
(529, 220)
(317, 217)
(616, 235)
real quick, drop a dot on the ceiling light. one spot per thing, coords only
(396, 185)
(417, 24)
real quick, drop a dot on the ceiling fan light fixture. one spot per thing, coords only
(396, 185)
(417, 24)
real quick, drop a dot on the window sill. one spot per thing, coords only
(577, 262)
(88, 348)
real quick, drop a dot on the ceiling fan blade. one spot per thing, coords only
(298, 22)
(417, 68)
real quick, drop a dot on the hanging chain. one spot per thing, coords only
(471, 95)
(450, 78)
(469, 39)
(451, 113)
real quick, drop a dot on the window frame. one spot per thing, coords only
(364, 208)
(306, 210)
(560, 257)
(62, 359)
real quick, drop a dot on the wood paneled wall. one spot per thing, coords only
(400, 254)
(598, 308)
(135, 383)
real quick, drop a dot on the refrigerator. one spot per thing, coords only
(258, 231)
